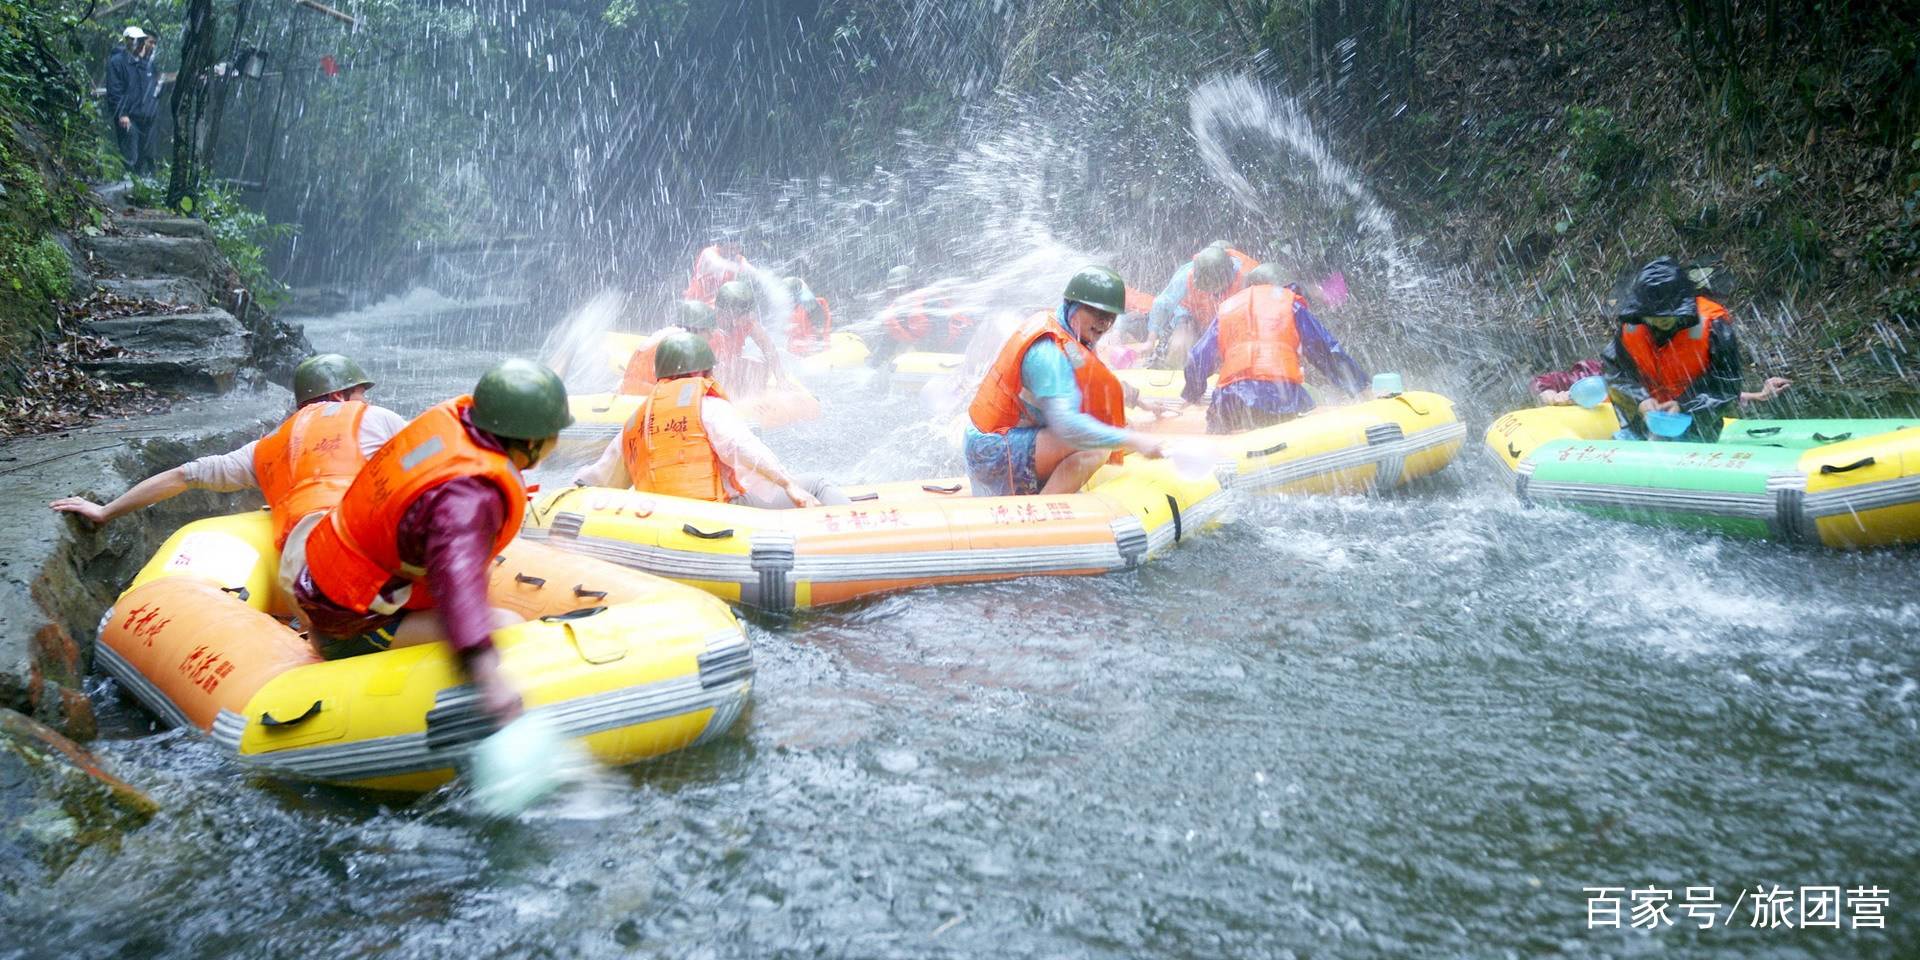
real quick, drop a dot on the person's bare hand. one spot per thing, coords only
(1651, 404)
(1774, 387)
(497, 697)
(800, 496)
(86, 508)
(1162, 407)
(1556, 398)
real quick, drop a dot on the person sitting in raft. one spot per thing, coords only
(1552, 388)
(922, 319)
(302, 467)
(715, 266)
(810, 325)
(689, 316)
(687, 440)
(1049, 412)
(1192, 299)
(1674, 351)
(737, 318)
(1256, 344)
(403, 557)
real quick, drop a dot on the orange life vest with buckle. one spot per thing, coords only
(1258, 338)
(1669, 370)
(996, 407)
(307, 464)
(665, 443)
(355, 552)
(802, 337)
(638, 378)
(1202, 306)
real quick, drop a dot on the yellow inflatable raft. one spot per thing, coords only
(893, 536)
(598, 417)
(1373, 445)
(633, 665)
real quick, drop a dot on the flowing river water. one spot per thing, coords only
(1411, 725)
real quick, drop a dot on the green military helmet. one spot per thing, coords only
(694, 315)
(899, 277)
(796, 287)
(1212, 269)
(522, 400)
(1266, 274)
(734, 297)
(1098, 287)
(325, 373)
(1220, 245)
(681, 353)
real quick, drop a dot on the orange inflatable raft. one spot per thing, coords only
(632, 665)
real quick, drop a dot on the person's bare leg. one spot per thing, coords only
(1074, 472)
(425, 626)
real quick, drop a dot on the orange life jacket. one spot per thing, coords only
(1669, 370)
(802, 338)
(638, 378)
(355, 552)
(306, 465)
(907, 321)
(1204, 306)
(1258, 338)
(729, 342)
(711, 271)
(1138, 301)
(996, 407)
(665, 443)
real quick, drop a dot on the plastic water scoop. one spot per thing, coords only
(521, 763)
(1666, 425)
(1192, 459)
(1589, 392)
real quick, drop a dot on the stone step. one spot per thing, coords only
(184, 352)
(192, 257)
(186, 293)
(170, 226)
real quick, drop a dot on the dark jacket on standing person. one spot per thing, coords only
(143, 100)
(123, 79)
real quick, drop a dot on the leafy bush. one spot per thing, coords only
(1606, 153)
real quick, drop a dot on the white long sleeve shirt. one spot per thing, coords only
(227, 472)
(733, 442)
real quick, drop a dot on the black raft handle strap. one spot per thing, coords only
(1836, 438)
(267, 720)
(537, 582)
(239, 592)
(858, 497)
(580, 590)
(1857, 464)
(936, 488)
(1763, 431)
(1269, 451)
(1513, 451)
(693, 531)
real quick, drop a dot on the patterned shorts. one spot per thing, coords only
(1001, 464)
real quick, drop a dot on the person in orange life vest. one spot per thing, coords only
(690, 316)
(1049, 412)
(919, 319)
(737, 315)
(403, 558)
(302, 467)
(1190, 301)
(714, 267)
(687, 440)
(810, 325)
(1675, 351)
(1256, 344)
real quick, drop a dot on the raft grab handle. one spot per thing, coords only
(240, 592)
(1836, 438)
(580, 614)
(1513, 451)
(1857, 464)
(267, 720)
(1762, 431)
(936, 488)
(537, 582)
(1174, 505)
(693, 531)
(871, 495)
(1276, 448)
(580, 590)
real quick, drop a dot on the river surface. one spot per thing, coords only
(1414, 725)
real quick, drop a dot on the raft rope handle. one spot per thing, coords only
(1276, 448)
(936, 488)
(1763, 431)
(1513, 451)
(267, 720)
(240, 592)
(580, 590)
(1174, 505)
(1857, 464)
(874, 495)
(1403, 399)
(537, 582)
(499, 559)
(1823, 438)
(580, 614)
(604, 409)
(693, 531)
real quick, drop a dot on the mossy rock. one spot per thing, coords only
(55, 801)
